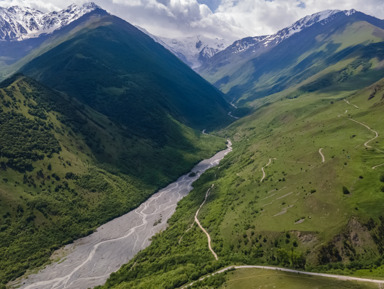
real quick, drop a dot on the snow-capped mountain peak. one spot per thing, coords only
(252, 44)
(322, 17)
(19, 23)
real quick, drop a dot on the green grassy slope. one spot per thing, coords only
(65, 169)
(305, 213)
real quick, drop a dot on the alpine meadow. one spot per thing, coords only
(100, 118)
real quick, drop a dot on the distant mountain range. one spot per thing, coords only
(255, 67)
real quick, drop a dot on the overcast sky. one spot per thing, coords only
(231, 19)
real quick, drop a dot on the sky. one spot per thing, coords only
(229, 19)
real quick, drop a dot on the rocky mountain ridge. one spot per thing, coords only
(20, 23)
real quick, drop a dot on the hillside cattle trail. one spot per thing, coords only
(351, 104)
(339, 277)
(262, 169)
(366, 144)
(201, 227)
(373, 168)
(231, 115)
(322, 155)
(367, 127)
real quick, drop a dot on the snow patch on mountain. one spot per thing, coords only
(196, 49)
(20, 23)
(193, 50)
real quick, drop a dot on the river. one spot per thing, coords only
(89, 261)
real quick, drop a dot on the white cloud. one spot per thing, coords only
(258, 17)
(232, 19)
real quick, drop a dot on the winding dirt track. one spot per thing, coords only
(234, 117)
(367, 127)
(322, 155)
(339, 277)
(373, 168)
(351, 104)
(92, 259)
(201, 227)
(262, 169)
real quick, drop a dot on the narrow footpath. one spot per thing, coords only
(201, 227)
(262, 169)
(367, 127)
(322, 155)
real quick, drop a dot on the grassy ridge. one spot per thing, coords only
(304, 214)
(66, 169)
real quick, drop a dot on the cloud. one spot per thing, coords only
(231, 19)
(258, 17)
(172, 18)
(37, 4)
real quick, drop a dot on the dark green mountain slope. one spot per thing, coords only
(344, 49)
(65, 169)
(306, 212)
(121, 72)
(15, 54)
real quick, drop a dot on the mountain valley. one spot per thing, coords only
(106, 147)
(97, 116)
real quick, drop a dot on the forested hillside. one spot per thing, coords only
(66, 169)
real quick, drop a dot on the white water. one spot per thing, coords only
(92, 259)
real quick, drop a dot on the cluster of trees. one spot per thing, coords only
(24, 141)
(60, 207)
(377, 232)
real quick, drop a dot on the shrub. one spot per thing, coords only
(70, 176)
(346, 191)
